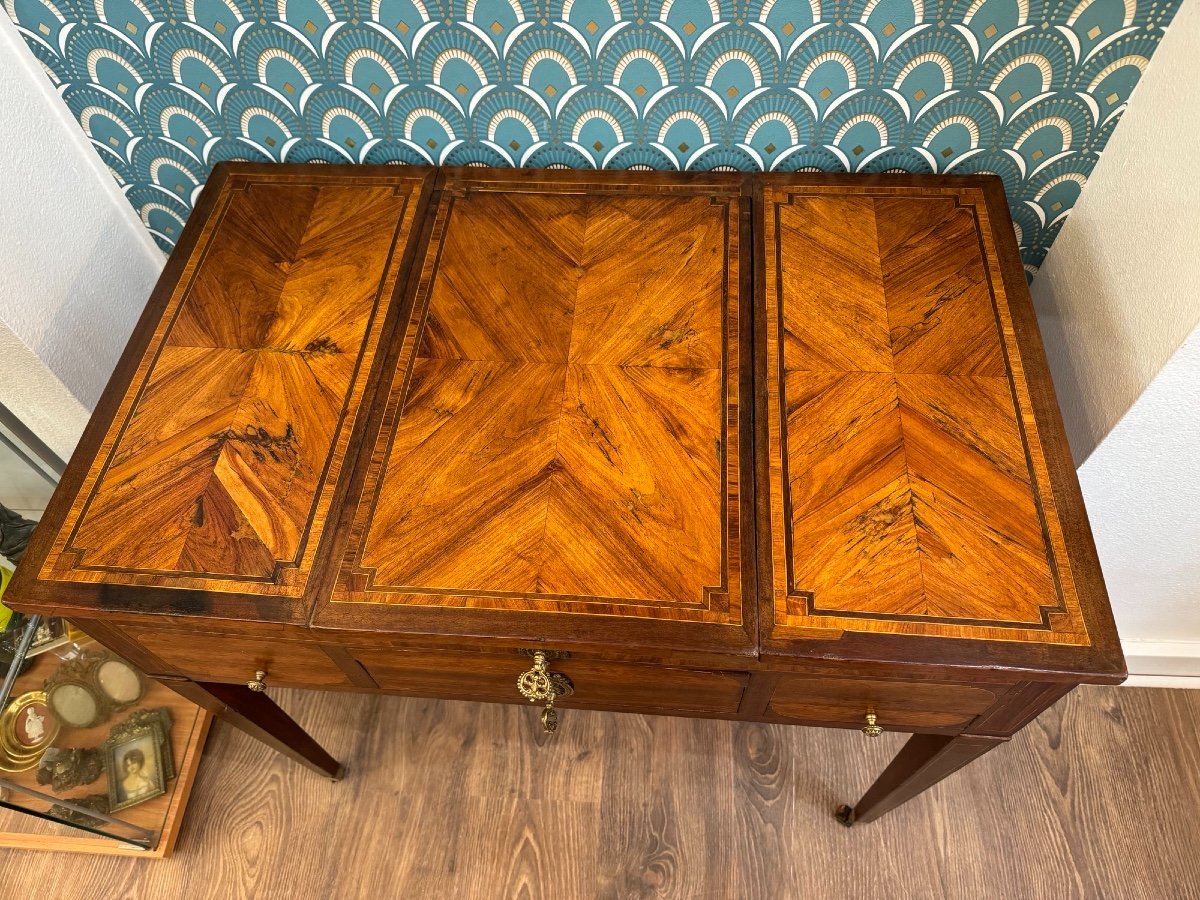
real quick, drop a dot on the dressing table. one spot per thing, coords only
(777, 448)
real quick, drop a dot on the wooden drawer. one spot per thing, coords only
(598, 685)
(897, 704)
(215, 657)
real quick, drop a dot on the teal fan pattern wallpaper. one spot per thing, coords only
(1027, 89)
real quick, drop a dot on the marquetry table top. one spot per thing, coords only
(909, 487)
(743, 414)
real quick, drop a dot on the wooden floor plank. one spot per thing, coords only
(460, 800)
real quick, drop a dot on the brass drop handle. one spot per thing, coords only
(871, 729)
(539, 685)
(259, 684)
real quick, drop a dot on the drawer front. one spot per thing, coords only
(214, 657)
(598, 685)
(896, 704)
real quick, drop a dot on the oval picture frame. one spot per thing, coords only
(117, 683)
(63, 699)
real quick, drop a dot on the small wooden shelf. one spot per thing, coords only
(162, 815)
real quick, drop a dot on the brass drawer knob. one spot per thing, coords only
(539, 685)
(871, 729)
(259, 684)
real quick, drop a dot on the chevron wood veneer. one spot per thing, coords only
(219, 469)
(562, 432)
(774, 448)
(904, 490)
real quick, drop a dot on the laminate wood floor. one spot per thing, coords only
(1098, 798)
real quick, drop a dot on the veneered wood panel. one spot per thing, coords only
(640, 495)
(580, 379)
(836, 317)
(905, 486)
(563, 433)
(222, 658)
(597, 684)
(219, 468)
(653, 287)
(897, 704)
(507, 279)
(939, 304)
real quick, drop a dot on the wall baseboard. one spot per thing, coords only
(1173, 664)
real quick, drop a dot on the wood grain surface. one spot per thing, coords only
(548, 436)
(906, 483)
(898, 704)
(219, 470)
(464, 801)
(236, 659)
(528, 409)
(563, 429)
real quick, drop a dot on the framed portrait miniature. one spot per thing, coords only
(159, 718)
(133, 760)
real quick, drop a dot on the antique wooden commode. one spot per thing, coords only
(779, 448)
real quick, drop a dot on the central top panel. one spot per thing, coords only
(562, 432)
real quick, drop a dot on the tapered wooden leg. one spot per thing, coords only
(258, 715)
(924, 761)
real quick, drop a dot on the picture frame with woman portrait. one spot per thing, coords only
(134, 762)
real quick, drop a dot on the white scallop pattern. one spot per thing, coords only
(1029, 91)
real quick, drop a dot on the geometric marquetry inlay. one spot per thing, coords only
(218, 470)
(908, 488)
(708, 440)
(562, 433)
(705, 411)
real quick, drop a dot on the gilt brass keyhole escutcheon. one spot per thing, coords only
(539, 685)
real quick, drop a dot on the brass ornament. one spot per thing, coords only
(538, 685)
(259, 684)
(88, 689)
(64, 768)
(535, 684)
(98, 802)
(871, 729)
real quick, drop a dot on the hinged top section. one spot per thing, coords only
(909, 472)
(221, 461)
(563, 447)
(712, 415)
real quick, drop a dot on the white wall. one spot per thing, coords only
(77, 265)
(1120, 288)
(37, 397)
(1118, 296)
(1142, 486)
